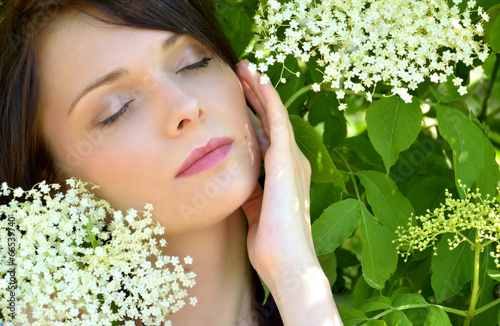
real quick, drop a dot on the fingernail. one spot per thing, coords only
(244, 62)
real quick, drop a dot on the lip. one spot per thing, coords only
(205, 158)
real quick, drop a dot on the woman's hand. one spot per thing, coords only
(278, 218)
(279, 238)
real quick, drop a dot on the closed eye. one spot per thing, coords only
(203, 63)
(112, 119)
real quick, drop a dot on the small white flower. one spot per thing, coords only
(5, 187)
(485, 16)
(283, 80)
(462, 90)
(315, 87)
(342, 106)
(264, 79)
(193, 301)
(18, 192)
(457, 81)
(369, 97)
(262, 67)
(188, 260)
(270, 61)
(479, 28)
(252, 67)
(3, 284)
(260, 54)
(280, 58)
(340, 94)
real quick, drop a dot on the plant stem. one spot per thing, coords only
(482, 115)
(486, 307)
(484, 245)
(419, 305)
(351, 174)
(297, 94)
(475, 282)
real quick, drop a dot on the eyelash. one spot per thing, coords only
(112, 119)
(203, 63)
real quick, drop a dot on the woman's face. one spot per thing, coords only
(124, 108)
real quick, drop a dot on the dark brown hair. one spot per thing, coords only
(24, 158)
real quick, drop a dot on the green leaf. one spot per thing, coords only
(415, 315)
(429, 193)
(490, 173)
(379, 257)
(351, 316)
(236, 24)
(390, 207)
(375, 304)
(398, 318)
(335, 224)
(440, 97)
(407, 299)
(463, 136)
(324, 113)
(361, 292)
(437, 317)
(494, 12)
(309, 142)
(494, 274)
(322, 196)
(292, 86)
(393, 126)
(266, 290)
(451, 269)
(364, 148)
(495, 36)
(328, 263)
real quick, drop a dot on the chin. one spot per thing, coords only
(217, 196)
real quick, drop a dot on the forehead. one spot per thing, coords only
(78, 48)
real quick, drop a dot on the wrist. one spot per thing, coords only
(303, 295)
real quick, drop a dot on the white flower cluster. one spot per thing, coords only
(359, 43)
(80, 262)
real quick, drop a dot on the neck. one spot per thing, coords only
(224, 282)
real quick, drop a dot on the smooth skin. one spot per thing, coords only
(279, 238)
(221, 218)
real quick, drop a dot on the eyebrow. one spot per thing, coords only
(118, 74)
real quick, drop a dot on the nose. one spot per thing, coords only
(181, 109)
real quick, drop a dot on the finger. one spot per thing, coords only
(262, 138)
(271, 110)
(281, 131)
(251, 79)
(256, 105)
